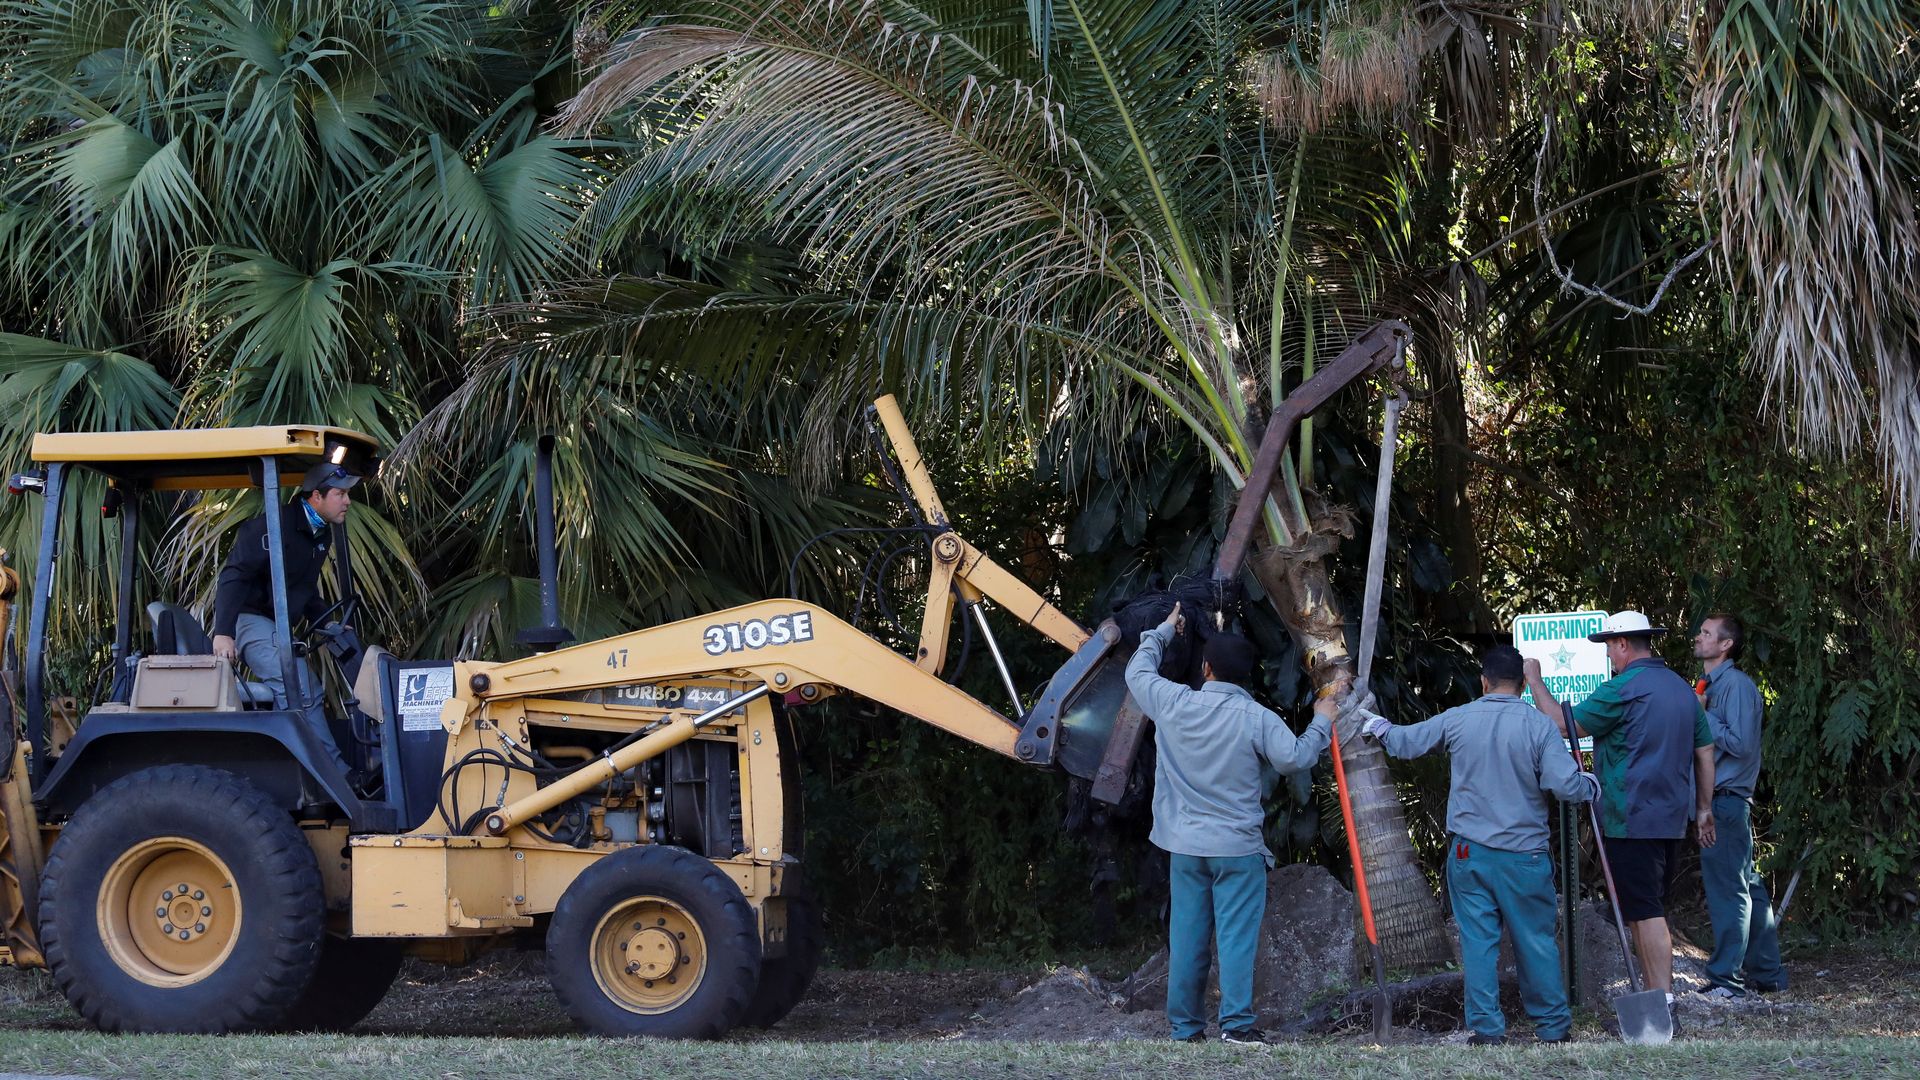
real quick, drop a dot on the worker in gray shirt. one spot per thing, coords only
(1506, 759)
(1207, 816)
(1746, 936)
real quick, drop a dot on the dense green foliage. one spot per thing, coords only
(220, 213)
(1663, 496)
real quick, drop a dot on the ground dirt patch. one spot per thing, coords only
(1855, 991)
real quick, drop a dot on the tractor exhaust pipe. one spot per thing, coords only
(549, 634)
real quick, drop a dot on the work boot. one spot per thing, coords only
(1477, 1039)
(1196, 1037)
(1243, 1036)
(1561, 1041)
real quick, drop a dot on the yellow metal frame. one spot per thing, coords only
(831, 654)
(960, 568)
(437, 881)
(22, 856)
(224, 451)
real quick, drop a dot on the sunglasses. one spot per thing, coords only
(338, 472)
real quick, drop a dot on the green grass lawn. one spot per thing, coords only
(383, 1058)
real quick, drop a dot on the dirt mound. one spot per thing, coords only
(1069, 1005)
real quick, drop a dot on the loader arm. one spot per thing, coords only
(799, 650)
(789, 647)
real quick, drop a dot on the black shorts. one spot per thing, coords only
(1642, 870)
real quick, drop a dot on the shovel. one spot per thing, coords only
(1644, 1019)
(1369, 629)
(1382, 1004)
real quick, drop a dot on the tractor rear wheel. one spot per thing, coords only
(354, 974)
(654, 941)
(180, 899)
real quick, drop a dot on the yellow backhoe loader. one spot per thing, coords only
(184, 856)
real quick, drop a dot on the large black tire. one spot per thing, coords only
(252, 889)
(353, 975)
(654, 941)
(784, 979)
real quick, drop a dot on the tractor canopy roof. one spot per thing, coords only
(192, 460)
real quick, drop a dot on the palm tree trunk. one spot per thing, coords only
(1405, 910)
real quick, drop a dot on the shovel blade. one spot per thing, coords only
(1644, 1019)
(1382, 1018)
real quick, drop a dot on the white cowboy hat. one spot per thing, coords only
(1626, 624)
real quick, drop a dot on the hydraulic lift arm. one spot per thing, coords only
(962, 571)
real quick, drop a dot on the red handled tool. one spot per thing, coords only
(1382, 1004)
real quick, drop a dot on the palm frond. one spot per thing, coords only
(1813, 177)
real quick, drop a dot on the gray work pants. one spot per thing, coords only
(253, 636)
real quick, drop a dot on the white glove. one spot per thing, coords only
(1375, 726)
(1593, 785)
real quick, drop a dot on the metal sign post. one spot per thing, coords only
(1572, 667)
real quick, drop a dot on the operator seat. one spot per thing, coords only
(177, 633)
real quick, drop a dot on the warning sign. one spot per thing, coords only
(1571, 666)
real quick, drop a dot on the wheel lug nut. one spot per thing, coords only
(184, 935)
(204, 910)
(199, 895)
(683, 935)
(182, 888)
(649, 984)
(659, 922)
(200, 928)
(168, 895)
(623, 946)
(160, 913)
(672, 979)
(167, 929)
(636, 926)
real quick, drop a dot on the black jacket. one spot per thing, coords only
(245, 588)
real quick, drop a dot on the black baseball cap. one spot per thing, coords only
(327, 475)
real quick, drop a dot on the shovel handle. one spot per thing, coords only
(1606, 870)
(1353, 842)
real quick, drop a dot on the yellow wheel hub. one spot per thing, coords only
(649, 955)
(169, 911)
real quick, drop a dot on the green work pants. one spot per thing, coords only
(1214, 899)
(1746, 938)
(1491, 888)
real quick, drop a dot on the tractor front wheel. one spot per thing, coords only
(654, 941)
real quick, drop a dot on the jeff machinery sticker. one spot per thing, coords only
(422, 691)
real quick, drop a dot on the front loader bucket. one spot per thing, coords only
(1096, 724)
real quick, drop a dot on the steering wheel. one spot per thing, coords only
(345, 606)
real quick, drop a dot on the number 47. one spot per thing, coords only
(617, 658)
